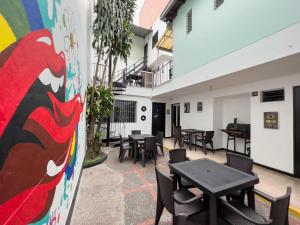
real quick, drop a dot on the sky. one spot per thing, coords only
(139, 4)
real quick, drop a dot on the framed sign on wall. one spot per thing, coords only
(271, 120)
(199, 106)
(186, 107)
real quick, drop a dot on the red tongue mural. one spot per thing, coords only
(27, 187)
(33, 54)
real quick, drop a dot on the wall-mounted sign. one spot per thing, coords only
(271, 120)
(186, 107)
(199, 106)
(168, 111)
(254, 93)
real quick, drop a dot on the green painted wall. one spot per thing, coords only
(234, 25)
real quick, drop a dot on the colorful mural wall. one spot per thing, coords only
(42, 123)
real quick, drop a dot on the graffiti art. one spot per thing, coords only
(41, 110)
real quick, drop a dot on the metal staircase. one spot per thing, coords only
(119, 84)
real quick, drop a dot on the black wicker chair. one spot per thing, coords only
(206, 139)
(136, 132)
(160, 141)
(236, 213)
(179, 137)
(182, 204)
(124, 147)
(148, 149)
(242, 163)
(175, 156)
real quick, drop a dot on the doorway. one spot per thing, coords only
(158, 117)
(175, 117)
(297, 131)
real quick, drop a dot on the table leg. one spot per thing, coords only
(234, 144)
(190, 141)
(213, 215)
(135, 151)
(251, 198)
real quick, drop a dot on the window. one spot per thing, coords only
(218, 3)
(124, 112)
(189, 22)
(272, 96)
(154, 39)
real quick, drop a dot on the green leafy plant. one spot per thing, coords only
(97, 112)
(112, 40)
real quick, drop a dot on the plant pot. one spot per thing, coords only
(94, 162)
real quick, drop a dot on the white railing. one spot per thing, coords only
(163, 73)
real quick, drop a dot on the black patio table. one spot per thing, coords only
(189, 132)
(215, 180)
(135, 138)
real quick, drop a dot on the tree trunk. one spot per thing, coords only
(113, 72)
(104, 72)
(96, 73)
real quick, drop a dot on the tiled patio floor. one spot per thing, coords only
(117, 193)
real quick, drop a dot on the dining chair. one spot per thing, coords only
(236, 213)
(136, 132)
(159, 141)
(179, 137)
(206, 139)
(124, 147)
(176, 156)
(148, 149)
(242, 163)
(182, 204)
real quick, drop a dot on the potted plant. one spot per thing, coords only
(112, 40)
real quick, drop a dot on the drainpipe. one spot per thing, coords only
(108, 119)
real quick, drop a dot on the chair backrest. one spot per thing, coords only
(159, 137)
(150, 144)
(177, 132)
(136, 132)
(160, 134)
(209, 135)
(280, 208)
(239, 162)
(165, 188)
(177, 155)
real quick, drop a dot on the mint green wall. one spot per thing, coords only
(234, 25)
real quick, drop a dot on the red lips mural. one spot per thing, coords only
(36, 127)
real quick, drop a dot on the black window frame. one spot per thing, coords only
(125, 111)
(189, 21)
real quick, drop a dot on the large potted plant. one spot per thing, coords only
(112, 40)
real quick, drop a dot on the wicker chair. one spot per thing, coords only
(160, 141)
(236, 213)
(148, 149)
(175, 156)
(242, 163)
(136, 132)
(179, 137)
(124, 147)
(182, 204)
(207, 139)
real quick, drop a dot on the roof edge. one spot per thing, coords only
(170, 11)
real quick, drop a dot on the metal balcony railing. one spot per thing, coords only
(163, 74)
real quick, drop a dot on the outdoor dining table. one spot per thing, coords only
(189, 132)
(215, 180)
(135, 138)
